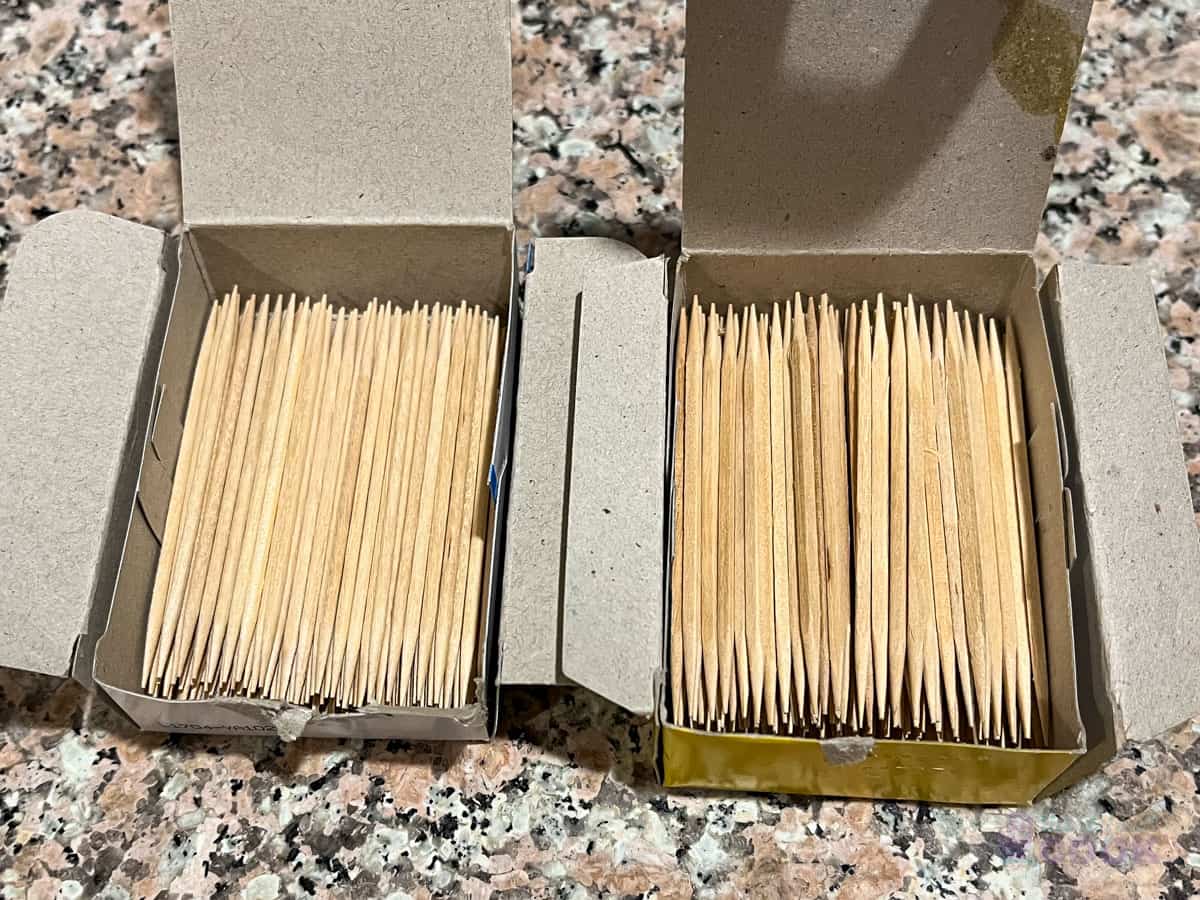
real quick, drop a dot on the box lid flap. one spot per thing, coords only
(1142, 540)
(295, 112)
(613, 584)
(530, 651)
(82, 301)
(928, 125)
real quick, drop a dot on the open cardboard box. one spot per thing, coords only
(855, 150)
(356, 155)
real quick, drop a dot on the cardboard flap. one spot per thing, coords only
(300, 112)
(533, 559)
(928, 125)
(83, 300)
(613, 583)
(1137, 531)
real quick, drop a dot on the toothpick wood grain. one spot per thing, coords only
(920, 588)
(479, 529)
(824, 675)
(416, 387)
(257, 538)
(780, 501)
(409, 575)
(476, 383)
(808, 502)
(206, 563)
(992, 610)
(432, 612)
(178, 620)
(743, 591)
(864, 487)
(790, 486)
(943, 615)
(692, 537)
(880, 505)
(836, 502)
(710, 452)
(348, 431)
(758, 537)
(1018, 617)
(326, 469)
(949, 497)
(236, 577)
(729, 524)
(305, 470)
(235, 498)
(1028, 539)
(458, 523)
(970, 551)
(175, 509)
(678, 713)
(285, 522)
(898, 565)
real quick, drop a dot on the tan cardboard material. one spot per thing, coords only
(832, 126)
(612, 593)
(83, 304)
(1136, 536)
(383, 254)
(316, 154)
(530, 644)
(374, 113)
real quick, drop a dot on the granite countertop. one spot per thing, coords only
(565, 804)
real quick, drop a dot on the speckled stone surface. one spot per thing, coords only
(565, 804)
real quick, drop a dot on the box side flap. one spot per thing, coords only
(1140, 539)
(82, 303)
(533, 563)
(923, 125)
(612, 588)
(377, 112)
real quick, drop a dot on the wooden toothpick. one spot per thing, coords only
(729, 523)
(692, 488)
(780, 501)
(880, 505)
(949, 498)
(808, 502)
(1007, 495)
(677, 600)
(992, 610)
(920, 587)
(1027, 538)
(966, 486)
(710, 441)
(898, 542)
(864, 488)
(836, 503)
(943, 617)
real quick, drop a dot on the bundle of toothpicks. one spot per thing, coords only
(854, 547)
(325, 538)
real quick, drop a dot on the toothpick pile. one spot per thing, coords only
(324, 542)
(854, 551)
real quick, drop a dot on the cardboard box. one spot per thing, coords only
(356, 155)
(852, 150)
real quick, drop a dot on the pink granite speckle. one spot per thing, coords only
(565, 803)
